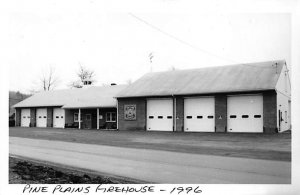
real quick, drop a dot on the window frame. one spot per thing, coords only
(76, 113)
(109, 117)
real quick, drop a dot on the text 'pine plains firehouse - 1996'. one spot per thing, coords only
(123, 189)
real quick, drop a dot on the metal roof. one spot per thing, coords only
(230, 78)
(90, 97)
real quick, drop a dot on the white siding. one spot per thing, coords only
(283, 108)
(283, 89)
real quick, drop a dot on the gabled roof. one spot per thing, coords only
(231, 78)
(90, 97)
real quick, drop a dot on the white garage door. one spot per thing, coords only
(160, 115)
(25, 117)
(41, 117)
(199, 114)
(58, 118)
(245, 113)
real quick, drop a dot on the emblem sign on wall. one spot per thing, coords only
(130, 112)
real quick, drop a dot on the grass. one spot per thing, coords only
(246, 145)
(25, 171)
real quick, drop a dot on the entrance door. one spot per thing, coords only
(160, 115)
(88, 121)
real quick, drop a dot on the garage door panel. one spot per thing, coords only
(160, 115)
(25, 117)
(245, 113)
(41, 117)
(199, 114)
(58, 118)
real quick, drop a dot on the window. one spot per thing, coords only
(257, 116)
(40, 116)
(110, 117)
(160, 117)
(189, 117)
(62, 117)
(199, 117)
(169, 117)
(113, 116)
(151, 117)
(285, 81)
(76, 117)
(210, 117)
(57, 117)
(45, 117)
(245, 116)
(285, 116)
(232, 116)
(88, 117)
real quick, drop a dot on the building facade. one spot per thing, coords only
(86, 108)
(252, 98)
(246, 98)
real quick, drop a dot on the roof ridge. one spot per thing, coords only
(265, 63)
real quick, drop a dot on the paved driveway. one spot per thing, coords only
(154, 165)
(258, 146)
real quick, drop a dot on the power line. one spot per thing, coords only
(178, 39)
(190, 45)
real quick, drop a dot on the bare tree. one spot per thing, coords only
(83, 74)
(49, 80)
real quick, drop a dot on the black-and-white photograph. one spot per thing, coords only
(143, 96)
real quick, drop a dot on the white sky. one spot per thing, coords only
(116, 45)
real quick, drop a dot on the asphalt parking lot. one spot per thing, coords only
(256, 146)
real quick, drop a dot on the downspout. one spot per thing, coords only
(117, 115)
(174, 117)
(79, 119)
(16, 117)
(97, 118)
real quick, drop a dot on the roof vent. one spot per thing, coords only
(87, 82)
(112, 84)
